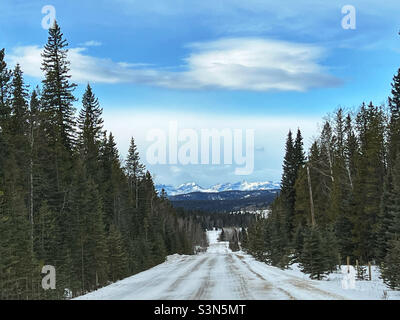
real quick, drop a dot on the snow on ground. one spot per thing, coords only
(220, 274)
(293, 279)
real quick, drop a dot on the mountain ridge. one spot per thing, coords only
(191, 187)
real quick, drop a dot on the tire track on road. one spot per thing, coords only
(269, 284)
(243, 289)
(146, 284)
(298, 283)
(173, 287)
(204, 289)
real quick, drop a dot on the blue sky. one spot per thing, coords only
(264, 65)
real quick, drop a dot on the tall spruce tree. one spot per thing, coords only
(394, 125)
(90, 124)
(57, 94)
(299, 157)
(288, 181)
(135, 171)
(391, 263)
(5, 112)
(18, 128)
(288, 177)
(5, 90)
(368, 187)
(388, 201)
(19, 105)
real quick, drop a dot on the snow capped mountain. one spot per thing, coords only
(246, 186)
(188, 188)
(237, 186)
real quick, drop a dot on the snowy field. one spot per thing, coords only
(220, 274)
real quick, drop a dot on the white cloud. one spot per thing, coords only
(92, 43)
(253, 64)
(84, 68)
(257, 64)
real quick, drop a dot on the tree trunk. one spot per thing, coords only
(311, 197)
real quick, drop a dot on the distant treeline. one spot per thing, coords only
(226, 201)
(211, 220)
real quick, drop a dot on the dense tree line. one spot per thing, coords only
(343, 199)
(225, 201)
(210, 220)
(66, 197)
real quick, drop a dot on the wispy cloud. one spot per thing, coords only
(91, 43)
(253, 64)
(257, 64)
(313, 18)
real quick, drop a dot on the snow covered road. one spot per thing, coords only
(220, 274)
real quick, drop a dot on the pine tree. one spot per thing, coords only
(135, 170)
(288, 177)
(299, 157)
(385, 218)
(313, 260)
(110, 178)
(361, 270)
(298, 242)
(90, 124)
(342, 203)
(87, 233)
(57, 95)
(5, 112)
(350, 149)
(5, 90)
(57, 122)
(389, 203)
(330, 249)
(45, 234)
(256, 241)
(393, 205)
(18, 127)
(391, 267)
(96, 241)
(17, 257)
(19, 105)
(117, 260)
(288, 182)
(326, 144)
(394, 125)
(34, 141)
(368, 186)
(294, 160)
